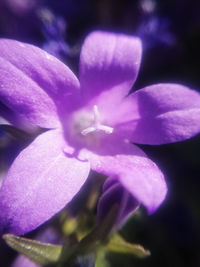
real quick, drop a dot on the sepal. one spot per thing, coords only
(40, 253)
(118, 245)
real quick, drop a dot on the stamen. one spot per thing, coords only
(96, 116)
(106, 129)
(97, 126)
(88, 130)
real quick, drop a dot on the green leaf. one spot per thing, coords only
(119, 245)
(40, 253)
(93, 241)
(101, 232)
(101, 259)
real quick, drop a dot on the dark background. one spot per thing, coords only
(170, 31)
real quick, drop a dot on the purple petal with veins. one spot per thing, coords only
(115, 193)
(96, 122)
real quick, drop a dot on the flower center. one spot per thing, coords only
(96, 125)
(87, 128)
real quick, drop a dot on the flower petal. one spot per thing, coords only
(41, 181)
(107, 60)
(160, 114)
(115, 193)
(23, 261)
(34, 84)
(138, 174)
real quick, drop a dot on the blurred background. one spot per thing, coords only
(170, 32)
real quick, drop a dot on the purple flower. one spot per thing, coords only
(91, 126)
(54, 28)
(114, 193)
(154, 31)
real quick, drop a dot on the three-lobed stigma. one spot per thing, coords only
(96, 125)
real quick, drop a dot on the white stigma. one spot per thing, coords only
(97, 126)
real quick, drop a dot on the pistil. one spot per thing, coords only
(97, 126)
